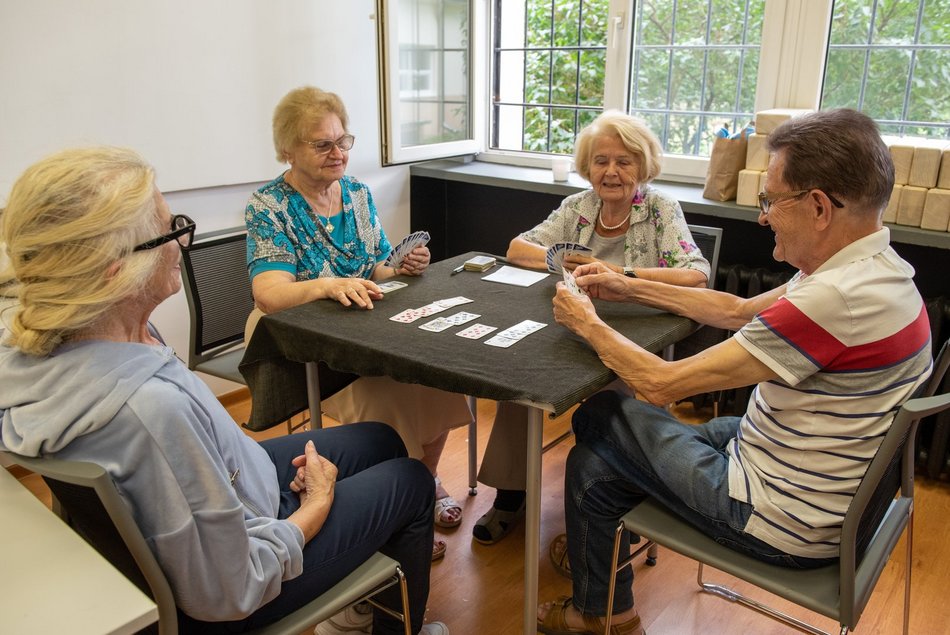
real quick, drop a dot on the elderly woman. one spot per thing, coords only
(313, 234)
(245, 532)
(632, 228)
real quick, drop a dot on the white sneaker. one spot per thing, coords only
(434, 628)
(350, 621)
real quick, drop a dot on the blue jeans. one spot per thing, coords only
(626, 450)
(382, 502)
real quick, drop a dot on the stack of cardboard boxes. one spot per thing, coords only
(921, 196)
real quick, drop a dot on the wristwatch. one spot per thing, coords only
(629, 272)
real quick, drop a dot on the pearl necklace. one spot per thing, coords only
(611, 228)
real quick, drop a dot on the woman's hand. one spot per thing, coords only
(349, 291)
(315, 483)
(415, 263)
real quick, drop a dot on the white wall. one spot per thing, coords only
(338, 40)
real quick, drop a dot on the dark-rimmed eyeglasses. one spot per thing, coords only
(183, 230)
(767, 198)
(325, 146)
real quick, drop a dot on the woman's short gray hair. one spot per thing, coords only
(298, 111)
(632, 131)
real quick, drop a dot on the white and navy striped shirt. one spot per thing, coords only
(851, 343)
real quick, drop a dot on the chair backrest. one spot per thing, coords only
(88, 500)
(708, 239)
(218, 292)
(876, 518)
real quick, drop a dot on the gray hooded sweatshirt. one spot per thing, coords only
(203, 493)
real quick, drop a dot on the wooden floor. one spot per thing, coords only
(478, 590)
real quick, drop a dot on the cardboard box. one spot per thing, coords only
(926, 164)
(936, 210)
(748, 189)
(890, 212)
(768, 120)
(911, 209)
(757, 157)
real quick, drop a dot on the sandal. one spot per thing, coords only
(438, 550)
(496, 524)
(555, 622)
(443, 505)
(558, 555)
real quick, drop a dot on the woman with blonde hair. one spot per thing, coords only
(314, 234)
(245, 532)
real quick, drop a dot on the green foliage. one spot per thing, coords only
(686, 93)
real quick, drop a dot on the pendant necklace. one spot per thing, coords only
(611, 228)
(328, 224)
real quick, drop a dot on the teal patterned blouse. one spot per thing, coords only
(285, 234)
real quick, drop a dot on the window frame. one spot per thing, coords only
(392, 151)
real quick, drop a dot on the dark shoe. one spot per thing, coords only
(496, 524)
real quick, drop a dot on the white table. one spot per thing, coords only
(51, 581)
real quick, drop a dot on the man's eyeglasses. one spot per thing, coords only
(325, 146)
(183, 230)
(767, 198)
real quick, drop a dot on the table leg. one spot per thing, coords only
(313, 395)
(532, 530)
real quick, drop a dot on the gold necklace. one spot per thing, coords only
(326, 214)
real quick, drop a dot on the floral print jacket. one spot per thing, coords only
(658, 235)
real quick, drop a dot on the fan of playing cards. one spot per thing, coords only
(559, 251)
(404, 248)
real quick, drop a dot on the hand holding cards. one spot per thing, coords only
(554, 258)
(405, 247)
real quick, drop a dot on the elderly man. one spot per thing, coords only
(833, 354)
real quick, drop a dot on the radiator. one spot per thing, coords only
(933, 441)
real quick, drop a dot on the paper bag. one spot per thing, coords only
(725, 162)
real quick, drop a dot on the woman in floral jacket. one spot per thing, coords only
(629, 226)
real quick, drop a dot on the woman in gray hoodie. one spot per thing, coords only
(245, 532)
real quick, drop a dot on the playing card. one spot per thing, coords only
(476, 331)
(512, 334)
(571, 283)
(448, 303)
(457, 319)
(500, 341)
(407, 316)
(437, 325)
(556, 253)
(391, 285)
(405, 247)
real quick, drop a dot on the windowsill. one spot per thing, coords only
(690, 196)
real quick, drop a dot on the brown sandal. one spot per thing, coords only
(555, 622)
(558, 554)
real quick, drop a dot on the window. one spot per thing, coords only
(690, 66)
(891, 60)
(426, 78)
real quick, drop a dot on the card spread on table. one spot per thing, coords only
(411, 315)
(405, 247)
(571, 283)
(476, 331)
(442, 323)
(554, 258)
(391, 285)
(512, 334)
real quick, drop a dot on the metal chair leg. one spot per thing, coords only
(473, 447)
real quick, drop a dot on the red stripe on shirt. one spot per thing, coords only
(829, 353)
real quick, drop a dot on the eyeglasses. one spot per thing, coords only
(183, 230)
(767, 198)
(325, 146)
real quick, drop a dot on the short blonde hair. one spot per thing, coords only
(298, 111)
(69, 230)
(632, 131)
